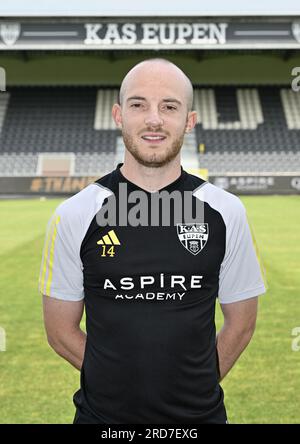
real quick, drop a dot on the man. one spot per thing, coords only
(151, 354)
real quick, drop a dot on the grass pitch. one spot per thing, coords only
(36, 386)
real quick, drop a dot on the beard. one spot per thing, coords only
(153, 159)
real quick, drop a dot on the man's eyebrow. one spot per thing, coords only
(171, 99)
(166, 100)
(135, 98)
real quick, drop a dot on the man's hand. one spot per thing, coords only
(62, 324)
(236, 333)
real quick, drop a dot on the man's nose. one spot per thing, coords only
(153, 119)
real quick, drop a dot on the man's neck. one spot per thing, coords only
(151, 179)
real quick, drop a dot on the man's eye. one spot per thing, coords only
(136, 105)
(170, 107)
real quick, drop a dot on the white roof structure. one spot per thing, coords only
(157, 8)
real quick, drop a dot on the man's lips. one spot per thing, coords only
(154, 137)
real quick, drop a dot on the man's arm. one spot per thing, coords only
(62, 324)
(236, 333)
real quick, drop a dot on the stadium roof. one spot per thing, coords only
(135, 8)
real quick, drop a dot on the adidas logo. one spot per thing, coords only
(109, 239)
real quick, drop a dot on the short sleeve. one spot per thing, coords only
(241, 276)
(61, 273)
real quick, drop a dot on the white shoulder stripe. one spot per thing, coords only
(225, 203)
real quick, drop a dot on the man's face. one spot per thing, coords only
(154, 115)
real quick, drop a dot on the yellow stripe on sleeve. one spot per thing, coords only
(48, 286)
(258, 255)
(43, 271)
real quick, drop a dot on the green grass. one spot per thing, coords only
(264, 386)
(36, 386)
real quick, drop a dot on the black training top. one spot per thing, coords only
(149, 294)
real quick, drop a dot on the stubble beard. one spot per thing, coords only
(153, 160)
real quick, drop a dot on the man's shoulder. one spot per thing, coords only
(226, 203)
(86, 200)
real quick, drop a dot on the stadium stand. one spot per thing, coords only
(239, 129)
(249, 129)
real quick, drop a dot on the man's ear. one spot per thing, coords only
(191, 121)
(117, 115)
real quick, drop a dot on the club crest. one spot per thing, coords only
(10, 32)
(193, 236)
